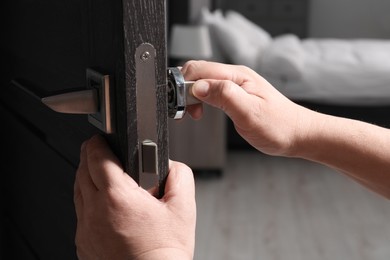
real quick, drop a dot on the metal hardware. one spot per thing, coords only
(79, 102)
(103, 118)
(146, 99)
(95, 101)
(179, 94)
(149, 157)
(145, 56)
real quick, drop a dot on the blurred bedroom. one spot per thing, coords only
(331, 56)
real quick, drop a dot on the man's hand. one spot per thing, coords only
(263, 116)
(275, 125)
(116, 219)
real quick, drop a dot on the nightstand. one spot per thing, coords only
(200, 144)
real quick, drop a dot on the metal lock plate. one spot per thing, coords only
(146, 99)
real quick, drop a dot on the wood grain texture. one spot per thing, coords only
(276, 208)
(144, 21)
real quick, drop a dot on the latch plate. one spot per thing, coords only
(146, 92)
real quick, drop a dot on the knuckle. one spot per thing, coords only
(191, 69)
(225, 93)
(187, 64)
(243, 68)
(247, 71)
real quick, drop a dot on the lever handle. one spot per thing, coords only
(94, 101)
(79, 102)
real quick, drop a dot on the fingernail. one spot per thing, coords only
(201, 89)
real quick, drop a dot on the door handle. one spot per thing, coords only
(77, 102)
(95, 101)
(92, 100)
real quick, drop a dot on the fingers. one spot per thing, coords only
(225, 95)
(78, 200)
(228, 86)
(104, 167)
(83, 186)
(194, 70)
(180, 186)
(195, 111)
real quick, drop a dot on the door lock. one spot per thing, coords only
(179, 94)
(95, 100)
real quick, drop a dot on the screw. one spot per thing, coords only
(145, 56)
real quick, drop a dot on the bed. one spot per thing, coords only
(348, 78)
(322, 71)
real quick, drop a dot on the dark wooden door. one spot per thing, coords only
(47, 47)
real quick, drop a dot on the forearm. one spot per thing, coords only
(165, 254)
(358, 149)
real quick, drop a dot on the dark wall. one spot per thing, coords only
(178, 12)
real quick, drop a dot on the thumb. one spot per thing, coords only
(225, 95)
(180, 186)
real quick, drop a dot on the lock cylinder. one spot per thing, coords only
(179, 94)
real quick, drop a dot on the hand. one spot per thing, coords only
(116, 219)
(262, 116)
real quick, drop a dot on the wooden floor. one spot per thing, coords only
(286, 209)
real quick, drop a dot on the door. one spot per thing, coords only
(48, 48)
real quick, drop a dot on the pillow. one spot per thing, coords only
(284, 58)
(234, 44)
(230, 44)
(251, 31)
(209, 19)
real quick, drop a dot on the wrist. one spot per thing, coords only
(308, 124)
(165, 254)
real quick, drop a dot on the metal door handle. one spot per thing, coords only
(94, 101)
(79, 102)
(87, 101)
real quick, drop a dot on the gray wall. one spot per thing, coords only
(350, 18)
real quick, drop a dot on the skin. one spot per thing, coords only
(119, 220)
(275, 125)
(116, 219)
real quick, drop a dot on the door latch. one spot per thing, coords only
(95, 101)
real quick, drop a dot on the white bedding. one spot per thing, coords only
(333, 71)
